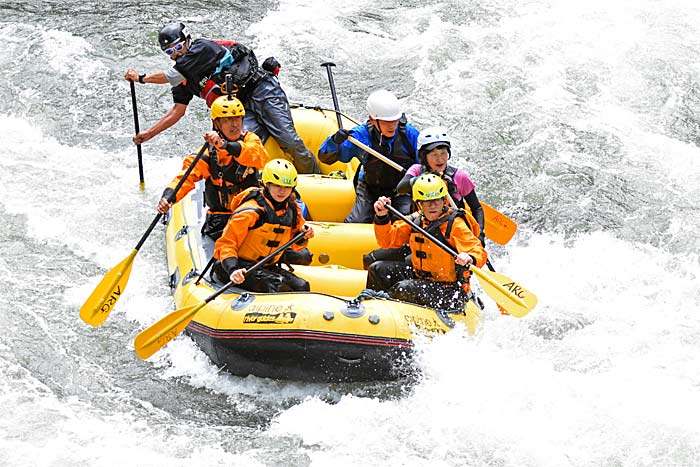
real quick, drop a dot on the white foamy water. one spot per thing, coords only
(577, 120)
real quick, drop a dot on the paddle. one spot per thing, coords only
(331, 83)
(154, 338)
(497, 226)
(142, 184)
(100, 303)
(513, 297)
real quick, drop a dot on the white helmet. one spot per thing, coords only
(432, 137)
(383, 105)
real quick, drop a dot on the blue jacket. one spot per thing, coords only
(347, 150)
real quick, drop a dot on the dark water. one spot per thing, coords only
(578, 121)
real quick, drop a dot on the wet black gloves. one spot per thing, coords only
(340, 136)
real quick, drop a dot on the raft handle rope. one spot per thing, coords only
(299, 105)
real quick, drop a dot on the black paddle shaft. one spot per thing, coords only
(328, 66)
(490, 266)
(258, 265)
(425, 232)
(136, 129)
(172, 196)
(420, 229)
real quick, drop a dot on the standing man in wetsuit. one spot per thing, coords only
(199, 70)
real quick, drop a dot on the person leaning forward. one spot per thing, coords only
(229, 168)
(387, 132)
(263, 219)
(200, 69)
(434, 278)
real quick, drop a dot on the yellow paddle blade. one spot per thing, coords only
(154, 338)
(513, 297)
(100, 303)
(497, 226)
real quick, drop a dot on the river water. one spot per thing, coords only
(580, 120)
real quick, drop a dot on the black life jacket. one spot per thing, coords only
(199, 64)
(381, 178)
(207, 62)
(226, 182)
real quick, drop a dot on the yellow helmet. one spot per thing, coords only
(429, 186)
(280, 172)
(225, 107)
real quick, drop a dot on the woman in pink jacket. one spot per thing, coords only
(434, 152)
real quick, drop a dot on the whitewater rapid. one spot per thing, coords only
(580, 121)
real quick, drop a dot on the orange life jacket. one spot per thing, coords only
(429, 260)
(270, 231)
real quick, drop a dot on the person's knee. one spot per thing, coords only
(290, 282)
(368, 260)
(298, 284)
(375, 268)
(303, 257)
(383, 254)
(374, 277)
(360, 214)
(404, 290)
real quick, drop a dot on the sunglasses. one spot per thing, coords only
(176, 48)
(432, 202)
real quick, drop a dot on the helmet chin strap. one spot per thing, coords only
(378, 126)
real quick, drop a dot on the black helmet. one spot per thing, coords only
(171, 33)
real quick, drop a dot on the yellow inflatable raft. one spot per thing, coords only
(328, 334)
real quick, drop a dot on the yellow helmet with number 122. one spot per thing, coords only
(429, 186)
(280, 172)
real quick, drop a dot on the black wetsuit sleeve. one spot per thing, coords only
(381, 220)
(477, 211)
(233, 148)
(404, 186)
(167, 193)
(230, 264)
